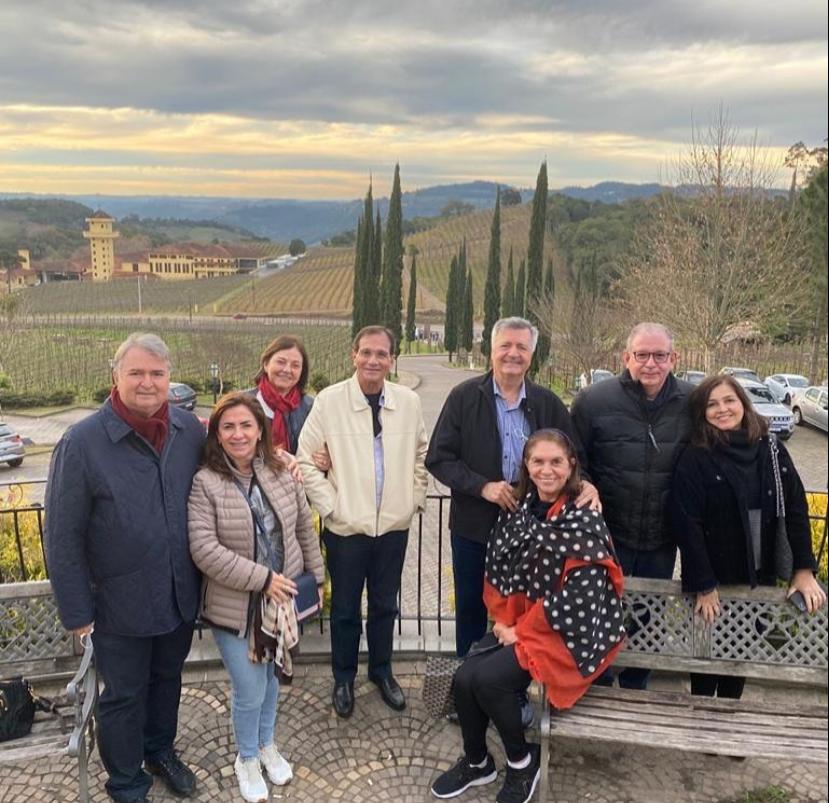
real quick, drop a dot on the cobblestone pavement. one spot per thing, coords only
(380, 755)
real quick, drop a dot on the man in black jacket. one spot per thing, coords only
(476, 449)
(633, 428)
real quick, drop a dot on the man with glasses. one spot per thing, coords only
(632, 428)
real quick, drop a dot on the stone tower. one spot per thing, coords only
(101, 245)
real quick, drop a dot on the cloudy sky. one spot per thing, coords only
(303, 98)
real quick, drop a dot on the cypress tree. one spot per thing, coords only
(373, 269)
(535, 257)
(450, 326)
(492, 291)
(359, 282)
(508, 300)
(538, 221)
(549, 279)
(392, 292)
(412, 300)
(468, 320)
(520, 298)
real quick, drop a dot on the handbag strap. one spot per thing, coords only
(778, 482)
(260, 524)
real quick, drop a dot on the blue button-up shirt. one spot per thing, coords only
(514, 431)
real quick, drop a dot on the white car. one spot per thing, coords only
(596, 375)
(810, 406)
(783, 386)
(779, 417)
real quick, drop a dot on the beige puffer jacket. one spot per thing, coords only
(220, 527)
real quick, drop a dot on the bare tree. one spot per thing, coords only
(722, 256)
(581, 321)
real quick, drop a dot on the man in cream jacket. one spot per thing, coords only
(375, 436)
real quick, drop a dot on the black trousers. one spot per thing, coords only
(486, 690)
(725, 686)
(138, 709)
(355, 562)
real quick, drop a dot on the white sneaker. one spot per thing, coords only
(251, 783)
(278, 769)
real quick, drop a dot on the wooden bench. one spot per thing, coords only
(34, 644)
(759, 635)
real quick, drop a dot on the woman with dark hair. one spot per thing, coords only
(553, 587)
(280, 389)
(250, 533)
(733, 487)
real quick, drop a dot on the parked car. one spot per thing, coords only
(12, 450)
(694, 377)
(596, 375)
(782, 386)
(741, 373)
(780, 418)
(181, 395)
(810, 406)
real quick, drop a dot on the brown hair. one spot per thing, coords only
(214, 456)
(374, 330)
(283, 343)
(706, 436)
(573, 485)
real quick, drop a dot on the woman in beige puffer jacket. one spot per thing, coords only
(244, 557)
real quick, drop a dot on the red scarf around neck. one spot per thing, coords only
(283, 405)
(153, 429)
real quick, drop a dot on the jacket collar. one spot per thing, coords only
(117, 429)
(358, 398)
(486, 384)
(671, 388)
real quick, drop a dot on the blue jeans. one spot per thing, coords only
(657, 564)
(468, 564)
(255, 692)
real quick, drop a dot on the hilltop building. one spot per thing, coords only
(191, 261)
(101, 236)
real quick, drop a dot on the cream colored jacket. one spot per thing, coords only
(220, 526)
(345, 497)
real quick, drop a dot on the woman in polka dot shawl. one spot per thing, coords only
(553, 588)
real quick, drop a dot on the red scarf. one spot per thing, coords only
(283, 405)
(153, 429)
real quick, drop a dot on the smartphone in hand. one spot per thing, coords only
(797, 600)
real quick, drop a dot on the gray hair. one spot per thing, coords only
(650, 328)
(142, 340)
(514, 322)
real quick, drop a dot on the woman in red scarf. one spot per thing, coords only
(280, 389)
(553, 587)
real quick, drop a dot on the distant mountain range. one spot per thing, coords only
(283, 219)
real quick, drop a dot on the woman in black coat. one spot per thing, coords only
(727, 498)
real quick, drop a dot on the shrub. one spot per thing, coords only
(101, 395)
(197, 384)
(29, 531)
(21, 401)
(318, 381)
(817, 509)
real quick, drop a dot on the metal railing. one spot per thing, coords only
(426, 589)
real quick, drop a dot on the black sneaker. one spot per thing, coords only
(520, 785)
(459, 778)
(178, 777)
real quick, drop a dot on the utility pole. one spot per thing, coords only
(139, 294)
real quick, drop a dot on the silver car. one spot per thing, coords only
(12, 449)
(810, 406)
(780, 418)
(784, 386)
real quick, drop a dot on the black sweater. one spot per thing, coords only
(710, 514)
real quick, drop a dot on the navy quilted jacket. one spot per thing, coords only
(116, 525)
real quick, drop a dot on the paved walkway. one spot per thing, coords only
(380, 755)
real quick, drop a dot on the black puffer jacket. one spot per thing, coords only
(631, 453)
(710, 514)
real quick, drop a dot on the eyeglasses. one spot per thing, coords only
(659, 357)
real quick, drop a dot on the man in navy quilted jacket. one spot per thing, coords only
(119, 562)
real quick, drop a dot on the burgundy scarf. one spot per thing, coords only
(153, 429)
(282, 406)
